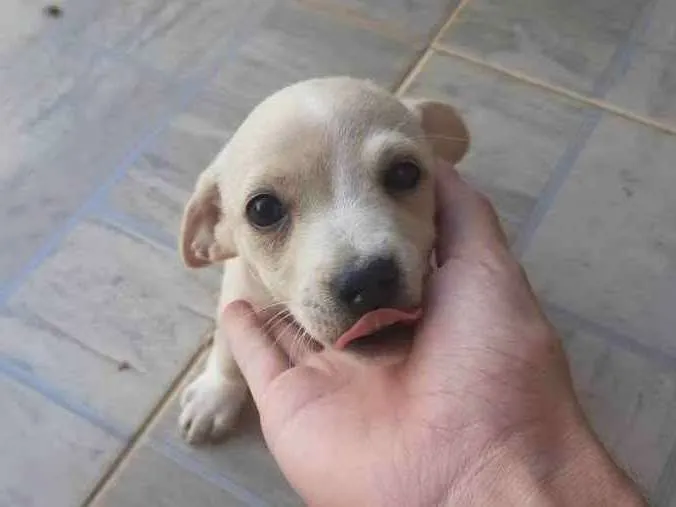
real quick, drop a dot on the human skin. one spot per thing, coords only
(480, 411)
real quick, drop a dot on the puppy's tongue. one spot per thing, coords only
(377, 320)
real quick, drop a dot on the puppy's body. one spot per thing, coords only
(322, 207)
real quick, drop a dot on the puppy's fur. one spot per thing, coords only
(321, 147)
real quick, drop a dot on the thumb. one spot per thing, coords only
(467, 224)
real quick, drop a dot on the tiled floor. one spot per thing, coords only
(111, 110)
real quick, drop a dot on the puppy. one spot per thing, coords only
(322, 207)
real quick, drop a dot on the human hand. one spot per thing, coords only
(480, 412)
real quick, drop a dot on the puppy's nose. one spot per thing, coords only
(370, 286)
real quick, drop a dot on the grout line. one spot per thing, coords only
(575, 96)
(411, 73)
(113, 470)
(414, 70)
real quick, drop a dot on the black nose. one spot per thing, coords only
(368, 286)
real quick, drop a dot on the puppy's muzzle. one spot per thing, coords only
(368, 285)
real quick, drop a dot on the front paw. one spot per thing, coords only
(210, 406)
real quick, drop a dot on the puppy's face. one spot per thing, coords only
(326, 193)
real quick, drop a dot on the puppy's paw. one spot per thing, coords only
(210, 406)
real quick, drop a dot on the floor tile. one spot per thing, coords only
(629, 400)
(70, 118)
(504, 116)
(49, 456)
(623, 52)
(414, 20)
(607, 248)
(242, 457)
(110, 319)
(148, 478)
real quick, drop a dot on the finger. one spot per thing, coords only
(259, 359)
(467, 225)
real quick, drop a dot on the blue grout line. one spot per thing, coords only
(24, 376)
(189, 93)
(560, 173)
(192, 465)
(617, 67)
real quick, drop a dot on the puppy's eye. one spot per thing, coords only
(401, 176)
(265, 210)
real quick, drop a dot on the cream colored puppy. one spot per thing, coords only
(322, 206)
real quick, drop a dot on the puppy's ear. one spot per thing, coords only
(443, 126)
(205, 237)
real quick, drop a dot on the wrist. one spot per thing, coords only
(571, 469)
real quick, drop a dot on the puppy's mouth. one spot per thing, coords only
(378, 322)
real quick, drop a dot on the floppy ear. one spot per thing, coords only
(443, 126)
(205, 237)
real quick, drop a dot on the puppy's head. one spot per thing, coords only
(326, 193)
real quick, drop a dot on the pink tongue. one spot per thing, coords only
(375, 321)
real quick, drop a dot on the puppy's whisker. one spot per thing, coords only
(283, 332)
(293, 356)
(287, 319)
(278, 316)
(267, 307)
(257, 312)
(270, 327)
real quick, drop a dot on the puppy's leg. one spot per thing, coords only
(211, 403)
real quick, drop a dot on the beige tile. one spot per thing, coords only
(518, 132)
(607, 248)
(629, 399)
(147, 478)
(623, 52)
(108, 298)
(414, 20)
(70, 117)
(49, 456)
(242, 457)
